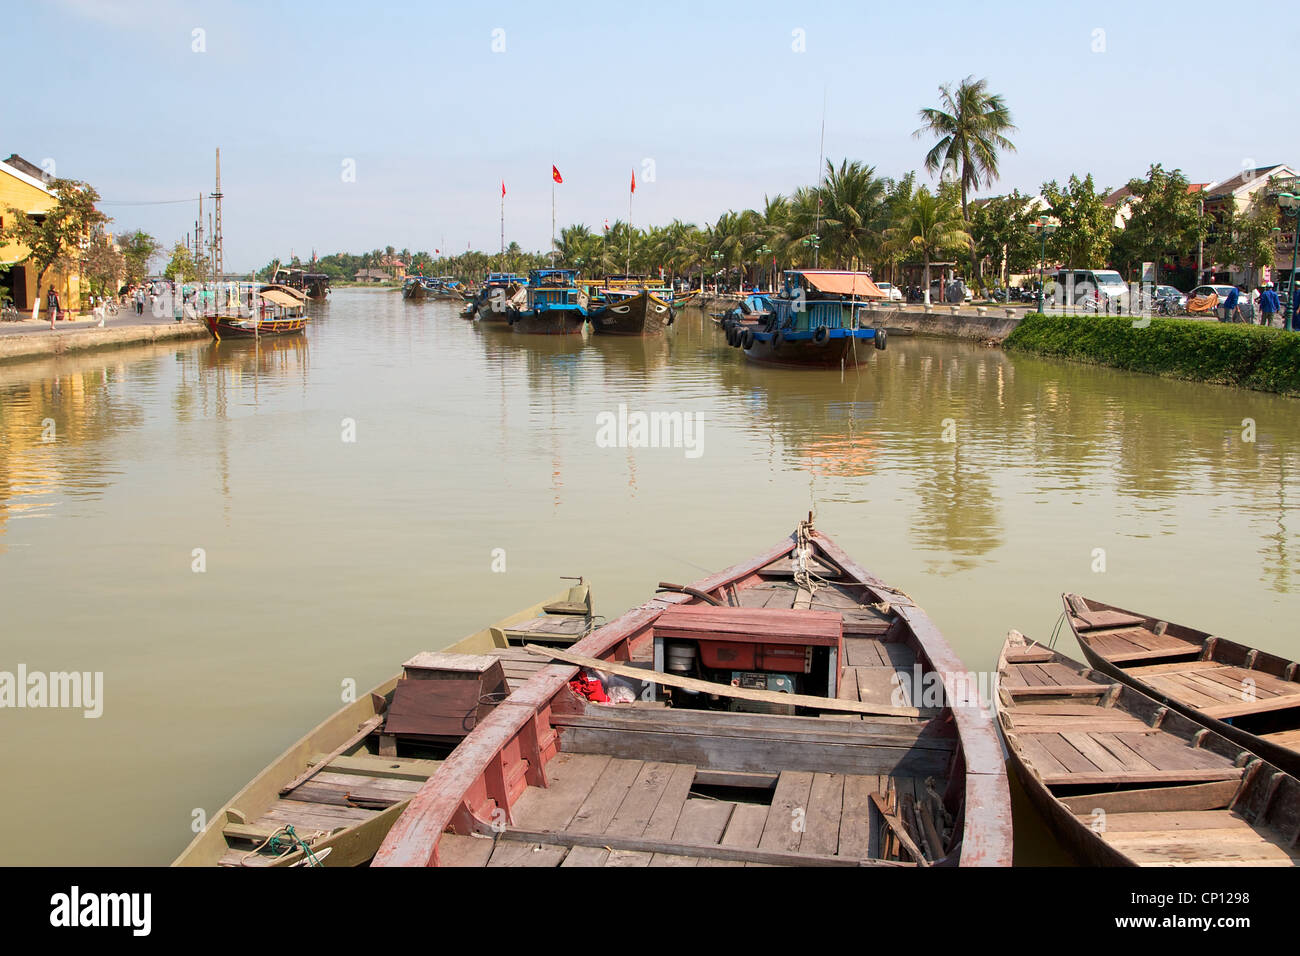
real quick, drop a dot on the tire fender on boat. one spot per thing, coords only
(882, 339)
(822, 335)
(747, 340)
(777, 339)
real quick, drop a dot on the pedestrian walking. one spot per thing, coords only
(139, 301)
(52, 303)
(1269, 306)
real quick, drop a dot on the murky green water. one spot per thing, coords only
(329, 559)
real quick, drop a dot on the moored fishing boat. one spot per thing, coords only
(344, 784)
(814, 322)
(554, 305)
(782, 689)
(1124, 780)
(500, 292)
(1247, 695)
(627, 306)
(250, 313)
(415, 288)
(315, 285)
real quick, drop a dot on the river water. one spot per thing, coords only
(230, 532)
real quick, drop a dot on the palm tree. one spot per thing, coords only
(971, 125)
(851, 197)
(928, 224)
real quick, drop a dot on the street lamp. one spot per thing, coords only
(1044, 226)
(1290, 204)
(765, 251)
(717, 255)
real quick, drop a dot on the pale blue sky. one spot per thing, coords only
(713, 94)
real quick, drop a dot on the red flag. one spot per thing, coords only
(555, 174)
(503, 188)
(634, 180)
(607, 225)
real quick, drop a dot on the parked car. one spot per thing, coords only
(1103, 288)
(892, 292)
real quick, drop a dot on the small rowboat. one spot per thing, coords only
(1249, 696)
(331, 797)
(1124, 780)
(790, 710)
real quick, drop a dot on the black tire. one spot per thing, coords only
(747, 340)
(732, 333)
(822, 336)
(777, 339)
(881, 339)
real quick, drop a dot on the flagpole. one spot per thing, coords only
(627, 269)
(502, 262)
(553, 246)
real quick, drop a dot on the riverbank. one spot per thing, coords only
(1247, 356)
(19, 344)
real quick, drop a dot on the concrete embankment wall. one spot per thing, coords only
(46, 343)
(993, 326)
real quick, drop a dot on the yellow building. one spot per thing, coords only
(20, 189)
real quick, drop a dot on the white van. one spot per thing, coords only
(1082, 287)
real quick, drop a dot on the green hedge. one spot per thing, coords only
(1227, 354)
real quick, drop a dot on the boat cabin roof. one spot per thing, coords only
(833, 282)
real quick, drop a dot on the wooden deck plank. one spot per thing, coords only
(822, 821)
(454, 850)
(855, 820)
(605, 798)
(744, 829)
(783, 830)
(702, 821)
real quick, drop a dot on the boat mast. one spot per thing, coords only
(821, 163)
(218, 259)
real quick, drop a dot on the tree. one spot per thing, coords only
(1247, 240)
(851, 201)
(1087, 224)
(182, 264)
(930, 225)
(1165, 220)
(971, 125)
(138, 250)
(56, 236)
(1000, 229)
(102, 264)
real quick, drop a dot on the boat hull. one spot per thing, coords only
(223, 327)
(415, 292)
(805, 353)
(547, 322)
(644, 314)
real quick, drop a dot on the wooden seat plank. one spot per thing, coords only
(855, 819)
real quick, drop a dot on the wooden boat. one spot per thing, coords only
(554, 304)
(772, 722)
(416, 289)
(314, 285)
(268, 310)
(347, 781)
(634, 312)
(1124, 780)
(501, 292)
(1249, 696)
(814, 322)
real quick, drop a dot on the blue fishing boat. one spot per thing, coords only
(494, 298)
(813, 322)
(554, 304)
